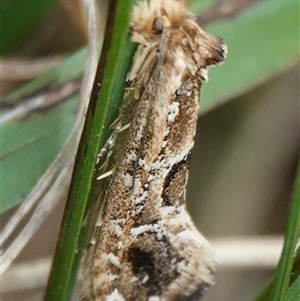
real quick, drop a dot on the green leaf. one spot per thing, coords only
(51, 129)
(262, 40)
(18, 20)
(30, 143)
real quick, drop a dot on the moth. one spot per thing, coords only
(146, 245)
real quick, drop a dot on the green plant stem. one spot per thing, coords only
(107, 91)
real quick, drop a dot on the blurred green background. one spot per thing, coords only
(247, 143)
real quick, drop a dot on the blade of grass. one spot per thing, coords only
(278, 288)
(283, 272)
(296, 266)
(293, 293)
(111, 72)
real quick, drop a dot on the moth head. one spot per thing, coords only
(149, 19)
(213, 50)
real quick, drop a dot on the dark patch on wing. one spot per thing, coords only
(180, 167)
(196, 296)
(143, 265)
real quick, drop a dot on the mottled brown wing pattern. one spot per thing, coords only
(147, 248)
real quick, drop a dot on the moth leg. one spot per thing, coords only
(118, 128)
(106, 174)
(109, 142)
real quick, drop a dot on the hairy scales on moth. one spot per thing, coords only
(146, 246)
